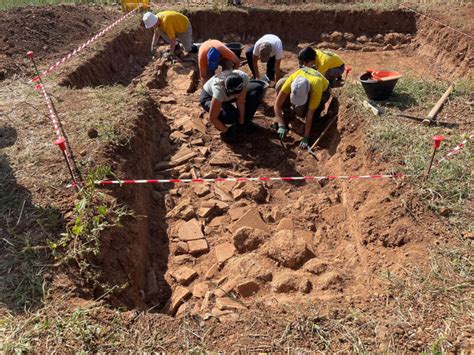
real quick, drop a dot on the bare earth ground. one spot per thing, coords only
(338, 265)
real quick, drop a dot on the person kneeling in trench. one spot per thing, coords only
(303, 94)
(232, 99)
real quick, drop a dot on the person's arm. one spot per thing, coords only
(226, 53)
(277, 70)
(241, 105)
(156, 38)
(255, 66)
(309, 122)
(172, 45)
(277, 107)
(202, 60)
(214, 112)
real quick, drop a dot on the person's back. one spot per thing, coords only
(326, 60)
(318, 84)
(215, 85)
(225, 55)
(172, 22)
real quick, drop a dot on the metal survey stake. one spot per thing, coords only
(436, 144)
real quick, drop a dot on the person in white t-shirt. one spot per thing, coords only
(268, 49)
(231, 99)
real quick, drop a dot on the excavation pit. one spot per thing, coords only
(257, 242)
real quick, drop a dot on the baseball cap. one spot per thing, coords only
(265, 51)
(149, 19)
(233, 84)
(299, 91)
(213, 58)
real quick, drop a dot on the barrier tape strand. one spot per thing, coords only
(456, 150)
(52, 113)
(250, 179)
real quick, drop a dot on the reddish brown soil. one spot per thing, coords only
(338, 237)
(48, 31)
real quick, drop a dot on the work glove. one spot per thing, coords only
(304, 143)
(282, 131)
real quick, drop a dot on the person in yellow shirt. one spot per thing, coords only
(326, 62)
(170, 25)
(305, 91)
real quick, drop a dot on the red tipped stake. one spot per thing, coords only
(436, 144)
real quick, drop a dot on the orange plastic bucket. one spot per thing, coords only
(385, 75)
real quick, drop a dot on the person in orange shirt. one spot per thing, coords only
(213, 53)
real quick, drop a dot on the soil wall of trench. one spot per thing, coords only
(134, 256)
(451, 52)
(295, 26)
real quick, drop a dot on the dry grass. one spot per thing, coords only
(408, 145)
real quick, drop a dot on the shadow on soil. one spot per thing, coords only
(24, 228)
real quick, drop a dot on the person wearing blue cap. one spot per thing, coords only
(231, 99)
(213, 53)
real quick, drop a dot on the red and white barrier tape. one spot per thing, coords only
(84, 45)
(456, 150)
(250, 179)
(52, 113)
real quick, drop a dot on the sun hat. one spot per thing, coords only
(149, 19)
(299, 91)
(233, 84)
(265, 51)
(213, 59)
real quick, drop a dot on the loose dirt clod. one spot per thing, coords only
(247, 239)
(288, 248)
(291, 282)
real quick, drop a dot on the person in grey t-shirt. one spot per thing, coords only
(231, 99)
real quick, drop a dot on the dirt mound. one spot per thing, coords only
(48, 31)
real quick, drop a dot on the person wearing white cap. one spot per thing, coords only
(305, 91)
(268, 49)
(170, 25)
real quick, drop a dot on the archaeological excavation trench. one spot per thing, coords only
(223, 247)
